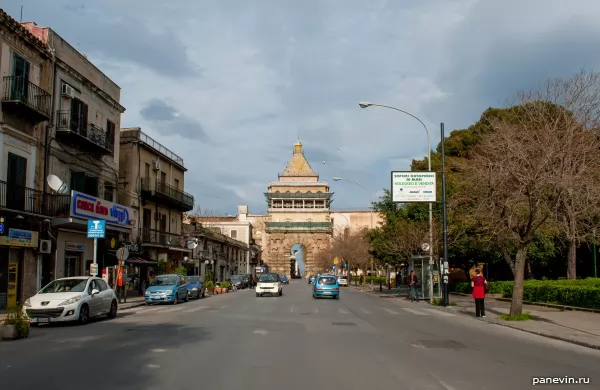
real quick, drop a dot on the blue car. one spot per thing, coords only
(167, 289)
(195, 287)
(326, 286)
(284, 279)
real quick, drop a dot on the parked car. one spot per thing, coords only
(284, 279)
(238, 281)
(167, 288)
(326, 286)
(311, 279)
(72, 299)
(343, 280)
(195, 287)
(269, 283)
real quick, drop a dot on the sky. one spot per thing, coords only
(230, 85)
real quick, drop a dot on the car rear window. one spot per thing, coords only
(327, 280)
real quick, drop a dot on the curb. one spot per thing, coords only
(546, 335)
(132, 305)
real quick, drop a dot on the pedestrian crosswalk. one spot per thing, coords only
(294, 310)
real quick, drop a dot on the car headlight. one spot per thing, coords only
(169, 292)
(27, 303)
(71, 301)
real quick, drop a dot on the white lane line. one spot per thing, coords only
(365, 310)
(414, 311)
(292, 309)
(316, 310)
(223, 307)
(195, 309)
(390, 311)
(440, 312)
(344, 311)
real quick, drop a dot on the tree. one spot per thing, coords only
(520, 173)
(323, 259)
(352, 247)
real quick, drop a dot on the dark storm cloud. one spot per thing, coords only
(169, 121)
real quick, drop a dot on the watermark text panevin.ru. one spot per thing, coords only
(560, 380)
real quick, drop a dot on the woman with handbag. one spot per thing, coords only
(479, 286)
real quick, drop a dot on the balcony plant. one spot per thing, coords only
(15, 325)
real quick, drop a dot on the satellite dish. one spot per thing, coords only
(57, 184)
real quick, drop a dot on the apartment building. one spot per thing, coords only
(151, 181)
(26, 65)
(83, 152)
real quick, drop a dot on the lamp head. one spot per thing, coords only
(364, 104)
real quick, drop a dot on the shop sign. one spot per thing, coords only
(90, 207)
(20, 238)
(74, 246)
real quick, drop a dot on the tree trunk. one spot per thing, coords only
(529, 270)
(508, 260)
(516, 305)
(572, 261)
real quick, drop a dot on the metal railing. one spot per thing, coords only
(154, 236)
(299, 225)
(151, 142)
(89, 131)
(167, 190)
(19, 89)
(29, 200)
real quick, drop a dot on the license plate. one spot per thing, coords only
(326, 292)
(42, 320)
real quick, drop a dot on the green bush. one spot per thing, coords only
(579, 292)
(369, 279)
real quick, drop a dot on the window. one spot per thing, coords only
(233, 234)
(82, 182)
(79, 117)
(110, 135)
(147, 171)
(101, 284)
(108, 192)
(19, 87)
(163, 177)
(177, 183)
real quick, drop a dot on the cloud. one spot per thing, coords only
(230, 85)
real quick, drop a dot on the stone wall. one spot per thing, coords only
(279, 245)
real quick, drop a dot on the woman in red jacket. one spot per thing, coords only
(478, 284)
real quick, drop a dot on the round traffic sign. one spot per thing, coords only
(424, 247)
(122, 252)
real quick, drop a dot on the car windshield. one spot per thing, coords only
(65, 285)
(268, 278)
(236, 278)
(342, 277)
(327, 280)
(164, 281)
(192, 280)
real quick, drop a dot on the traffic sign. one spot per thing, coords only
(96, 228)
(94, 269)
(122, 252)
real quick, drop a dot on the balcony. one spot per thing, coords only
(162, 193)
(28, 200)
(154, 237)
(24, 99)
(299, 227)
(84, 136)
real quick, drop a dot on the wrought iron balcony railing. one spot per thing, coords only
(158, 237)
(160, 190)
(21, 91)
(68, 124)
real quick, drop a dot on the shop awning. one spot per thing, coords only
(140, 261)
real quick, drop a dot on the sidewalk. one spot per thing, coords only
(576, 327)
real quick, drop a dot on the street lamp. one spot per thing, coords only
(363, 186)
(367, 105)
(211, 262)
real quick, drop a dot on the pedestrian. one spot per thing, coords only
(398, 283)
(412, 283)
(479, 284)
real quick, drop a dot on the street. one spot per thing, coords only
(237, 341)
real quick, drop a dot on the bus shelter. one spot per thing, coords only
(422, 268)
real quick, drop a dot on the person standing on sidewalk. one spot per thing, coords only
(412, 283)
(478, 284)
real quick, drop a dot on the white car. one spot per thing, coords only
(71, 299)
(269, 283)
(343, 280)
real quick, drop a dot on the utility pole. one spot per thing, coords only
(444, 221)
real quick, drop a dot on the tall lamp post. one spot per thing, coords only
(367, 105)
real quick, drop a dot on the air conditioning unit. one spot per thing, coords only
(45, 246)
(68, 91)
(156, 165)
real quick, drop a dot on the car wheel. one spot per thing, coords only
(203, 292)
(280, 292)
(176, 299)
(186, 299)
(84, 314)
(113, 309)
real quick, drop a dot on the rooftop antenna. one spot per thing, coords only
(21, 20)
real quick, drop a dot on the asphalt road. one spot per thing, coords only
(238, 341)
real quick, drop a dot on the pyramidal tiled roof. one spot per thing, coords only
(298, 166)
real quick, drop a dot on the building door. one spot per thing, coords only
(72, 264)
(16, 178)
(163, 229)
(146, 225)
(14, 255)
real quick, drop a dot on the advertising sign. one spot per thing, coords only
(413, 187)
(90, 207)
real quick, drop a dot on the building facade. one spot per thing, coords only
(151, 181)
(82, 151)
(26, 65)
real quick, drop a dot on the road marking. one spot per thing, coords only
(439, 312)
(415, 312)
(195, 309)
(365, 311)
(292, 309)
(344, 311)
(223, 307)
(316, 310)
(158, 350)
(390, 311)
(260, 331)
